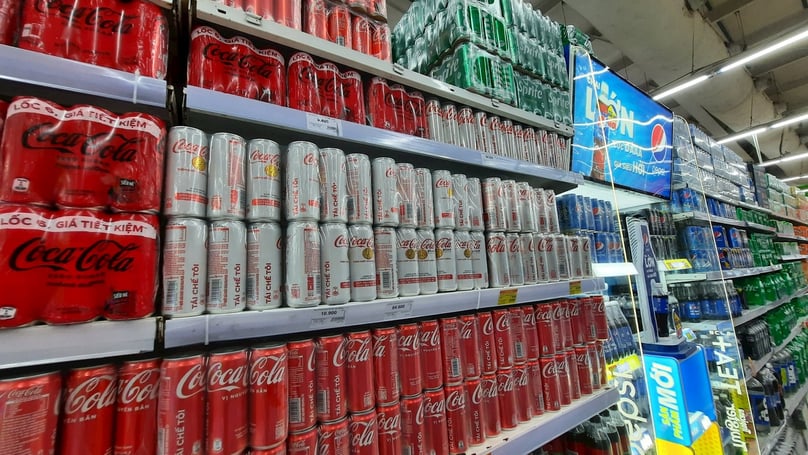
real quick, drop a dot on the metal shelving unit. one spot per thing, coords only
(756, 365)
(757, 312)
(794, 257)
(707, 218)
(790, 237)
(721, 275)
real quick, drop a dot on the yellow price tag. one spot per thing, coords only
(677, 264)
(575, 287)
(507, 297)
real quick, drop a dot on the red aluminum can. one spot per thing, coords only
(506, 393)
(302, 382)
(385, 364)
(287, 12)
(532, 347)
(31, 399)
(359, 372)
(470, 342)
(491, 405)
(503, 338)
(136, 416)
(595, 365)
(601, 362)
(572, 372)
(563, 374)
(577, 321)
(588, 312)
(452, 351)
(562, 313)
(488, 351)
(334, 438)
(457, 418)
(181, 406)
(431, 355)
(89, 410)
(227, 401)
(599, 312)
(268, 403)
(388, 418)
(261, 8)
(379, 97)
(583, 365)
(476, 410)
(546, 328)
(279, 449)
(409, 359)
(339, 25)
(380, 43)
(518, 335)
(418, 107)
(435, 429)
(302, 442)
(536, 394)
(316, 16)
(364, 429)
(362, 34)
(549, 382)
(412, 425)
(329, 365)
(524, 403)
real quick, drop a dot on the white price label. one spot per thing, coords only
(328, 318)
(398, 310)
(492, 160)
(324, 125)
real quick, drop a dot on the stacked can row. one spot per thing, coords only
(438, 386)
(594, 218)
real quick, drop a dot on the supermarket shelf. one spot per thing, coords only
(44, 344)
(707, 218)
(722, 198)
(793, 401)
(756, 365)
(543, 429)
(215, 111)
(761, 227)
(788, 218)
(725, 274)
(237, 19)
(790, 237)
(38, 74)
(794, 257)
(213, 328)
(757, 312)
(769, 441)
(616, 269)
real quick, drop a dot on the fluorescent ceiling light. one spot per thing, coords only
(735, 137)
(791, 179)
(790, 121)
(680, 87)
(798, 156)
(765, 51)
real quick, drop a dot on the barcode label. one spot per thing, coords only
(351, 207)
(171, 293)
(295, 410)
(322, 402)
(317, 284)
(454, 365)
(408, 211)
(251, 291)
(520, 349)
(387, 279)
(215, 290)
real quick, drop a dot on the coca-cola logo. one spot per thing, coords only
(505, 383)
(549, 369)
(514, 245)
(489, 388)
(109, 20)
(141, 387)
(341, 241)
(598, 307)
(428, 244)
(468, 329)
(361, 242)
(390, 172)
(582, 358)
(521, 377)
(113, 147)
(559, 311)
(575, 308)
(380, 345)
(434, 407)
(430, 338)
(444, 243)
(409, 343)
(358, 350)
(389, 424)
(185, 146)
(363, 434)
(230, 379)
(496, 245)
(477, 395)
(22, 394)
(433, 107)
(252, 63)
(544, 313)
(265, 157)
(103, 255)
(268, 370)
(443, 183)
(456, 400)
(310, 160)
(503, 321)
(488, 325)
(191, 383)
(95, 393)
(529, 317)
(409, 244)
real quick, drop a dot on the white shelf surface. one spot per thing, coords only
(543, 429)
(725, 274)
(788, 218)
(707, 218)
(616, 269)
(757, 365)
(794, 257)
(757, 312)
(212, 328)
(237, 19)
(790, 238)
(44, 344)
(769, 441)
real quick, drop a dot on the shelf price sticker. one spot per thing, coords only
(507, 296)
(576, 288)
(398, 310)
(492, 160)
(328, 318)
(676, 264)
(323, 125)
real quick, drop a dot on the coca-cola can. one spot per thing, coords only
(503, 338)
(444, 201)
(424, 199)
(364, 429)
(547, 328)
(494, 205)
(452, 347)
(466, 131)
(186, 186)
(434, 119)
(361, 254)
(562, 311)
(488, 344)
(602, 363)
(583, 366)
(524, 405)
(457, 418)
(333, 186)
(541, 210)
(288, 13)
(481, 130)
(479, 263)
(527, 207)
(136, 415)
(360, 193)
(385, 252)
(529, 266)
(518, 336)
(88, 416)
(301, 361)
(516, 269)
(562, 253)
(552, 211)
(463, 261)
(536, 393)
(508, 402)
(303, 442)
(181, 404)
(32, 399)
(413, 434)
(385, 365)
(576, 268)
(530, 151)
(435, 427)
(572, 372)
(508, 138)
(431, 354)
(513, 211)
(331, 385)
(498, 265)
(445, 254)
(388, 417)
(451, 129)
(550, 385)
(496, 144)
(361, 393)
(334, 437)
(279, 449)
(547, 257)
(227, 388)
(409, 359)
(226, 188)
(427, 263)
(601, 322)
(474, 204)
(302, 182)
(264, 274)
(597, 363)
(577, 320)
(475, 410)
(302, 284)
(491, 408)
(470, 344)
(334, 264)
(264, 190)
(408, 195)
(407, 262)
(385, 194)
(564, 383)
(585, 243)
(268, 403)
(227, 264)
(532, 347)
(185, 267)
(461, 209)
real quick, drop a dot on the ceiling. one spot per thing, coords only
(654, 43)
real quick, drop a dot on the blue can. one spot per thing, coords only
(608, 217)
(725, 258)
(714, 207)
(701, 260)
(597, 215)
(568, 216)
(615, 248)
(689, 200)
(734, 239)
(601, 247)
(694, 237)
(589, 214)
(720, 236)
(691, 310)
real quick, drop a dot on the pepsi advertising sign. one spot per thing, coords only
(622, 136)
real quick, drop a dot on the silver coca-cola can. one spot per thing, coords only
(479, 262)
(303, 280)
(335, 267)
(385, 193)
(541, 210)
(466, 128)
(360, 192)
(463, 263)
(361, 255)
(496, 247)
(542, 147)
(562, 252)
(333, 186)
(424, 199)
(451, 131)
(546, 257)
(185, 267)
(530, 145)
(427, 263)
(302, 200)
(227, 266)
(516, 268)
(408, 195)
(386, 249)
(529, 258)
(552, 211)
(494, 207)
(554, 160)
(186, 187)
(527, 207)
(461, 205)
(506, 133)
(226, 191)
(576, 267)
(513, 219)
(445, 259)
(481, 130)
(407, 257)
(494, 133)
(519, 143)
(264, 266)
(264, 187)
(434, 119)
(474, 204)
(443, 196)
(586, 255)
